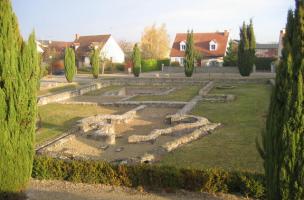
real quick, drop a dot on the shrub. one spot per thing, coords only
(175, 64)
(166, 62)
(119, 66)
(149, 65)
(264, 64)
(150, 176)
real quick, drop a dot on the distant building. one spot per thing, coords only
(267, 50)
(211, 46)
(110, 49)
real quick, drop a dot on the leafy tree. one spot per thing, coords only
(155, 42)
(283, 140)
(19, 76)
(69, 64)
(190, 55)
(95, 62)
(136, 60)
(230, 58)
(246, 49)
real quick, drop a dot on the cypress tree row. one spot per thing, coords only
(246, 49)
(136, 59)
(69, 64)
(95, 62)
(283, 140)
(19, 76)
(189, 55)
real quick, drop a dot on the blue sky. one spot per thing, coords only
(126, 19)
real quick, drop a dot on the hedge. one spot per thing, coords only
(149, 65)
(264, 64)
(166, 62)
(150, 176)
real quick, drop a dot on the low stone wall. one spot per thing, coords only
(43, 100)
(140, 81)
(167, 104)
(92, 122)
(199, 121)
(170, 146)
(171, 69)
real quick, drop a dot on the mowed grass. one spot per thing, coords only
(58, 118)
(182, 94)
(57, 89)
(231, 146)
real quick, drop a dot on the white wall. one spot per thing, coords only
(111, 50)
(177, 59)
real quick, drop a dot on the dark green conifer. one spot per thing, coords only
(189, 55)
(136, 59)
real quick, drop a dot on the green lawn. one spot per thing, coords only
(57, 89)
(183, 94)
(231, 146)
(58, 118)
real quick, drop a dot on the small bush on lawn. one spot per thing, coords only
(149, 65)
(175, 64)
(150, 176)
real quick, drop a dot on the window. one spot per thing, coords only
(213, 47)
(183, 47)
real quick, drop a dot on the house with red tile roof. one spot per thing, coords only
(211, 46)
(110, 49)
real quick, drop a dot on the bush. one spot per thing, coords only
(166, 62)
(119, 66)
(175, 64)
(149, 65)
(150, 176)
(264, 64)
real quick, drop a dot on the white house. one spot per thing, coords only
(109, 48)
(211, 46)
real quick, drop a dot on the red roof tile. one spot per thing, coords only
(201, 43)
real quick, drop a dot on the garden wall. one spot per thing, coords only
(171, 69)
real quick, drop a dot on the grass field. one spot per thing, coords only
(233, 145)
(57, 89)
(58, 118)
(183, 94)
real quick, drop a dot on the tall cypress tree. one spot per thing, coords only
(136, 59)
(283, 140)
(69, 64)
(246, 49)
(189, 55)
(95, 62)
(19, 76)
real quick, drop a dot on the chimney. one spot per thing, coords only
(77, 36)
(226, 33)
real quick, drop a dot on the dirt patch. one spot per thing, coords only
(60, 190)
(146, 120)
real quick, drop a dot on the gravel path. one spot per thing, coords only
(60, 190)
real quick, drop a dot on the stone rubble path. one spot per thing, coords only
(61, 190)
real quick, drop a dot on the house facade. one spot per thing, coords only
(267, 50)
(211, 47)
(109, 48)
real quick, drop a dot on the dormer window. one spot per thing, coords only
(182, 46)
(212, 45)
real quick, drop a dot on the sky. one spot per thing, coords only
(126, 19)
